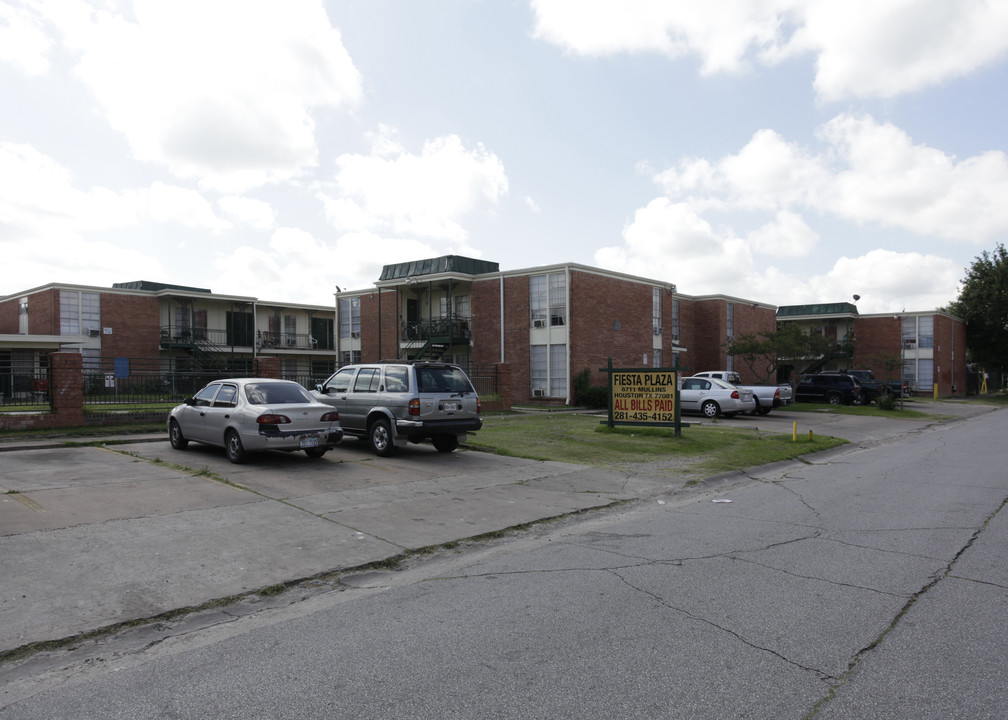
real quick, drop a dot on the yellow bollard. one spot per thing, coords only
(810, 435)
(936, 391)
(794, 431)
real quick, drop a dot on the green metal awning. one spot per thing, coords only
(437, 266)
(843, 308)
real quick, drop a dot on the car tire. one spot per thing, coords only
(233, 447)
(834, 399)
(758, 410)
(710, 409)
(763, 410)
(315, 453)
(175, 436)
(445, 443)
(380, 437)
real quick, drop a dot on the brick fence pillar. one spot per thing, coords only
(504, 384)
(268, 367)
(66, 383)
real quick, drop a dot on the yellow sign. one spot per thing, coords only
(643, 396)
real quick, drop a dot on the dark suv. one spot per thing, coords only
(832, 388)
(395, 402)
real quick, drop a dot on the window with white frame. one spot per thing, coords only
(656, 310)
(558, 299)
(538, 299)
(461, 303)
(350, 317)
(674, 320)
(80, 313)
(539, 370)
(558, 371)
(548, 299)
(925, 332)
(349, 357)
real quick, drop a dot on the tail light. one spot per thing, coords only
(271, 419)
(777, 393)
(479, 406)
(332, 416)
(414, 406)
(735, 395)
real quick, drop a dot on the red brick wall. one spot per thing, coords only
(517, 318)
(135, 323)
(485, 308)
(750, 320)
(609, 318)
(379, 313)
(949, 356)
(709, 334)
(873, 337)
(9, 316)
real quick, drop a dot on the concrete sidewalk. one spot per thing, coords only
(93, 537)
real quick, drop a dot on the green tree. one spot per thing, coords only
(765, 352)
(983, 304)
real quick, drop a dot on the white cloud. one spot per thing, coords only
(256, 214)
(23, 42)
(403, 194)
(863, 48)
(222, 92)
(788, 235)
(866, 173)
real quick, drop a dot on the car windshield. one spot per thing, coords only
(276, 393)
(442, 379)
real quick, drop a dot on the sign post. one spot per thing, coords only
(644, 396)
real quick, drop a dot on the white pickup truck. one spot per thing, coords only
(767, 396)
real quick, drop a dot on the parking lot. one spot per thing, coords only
(95, 536)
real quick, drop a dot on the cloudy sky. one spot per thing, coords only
(786, 151)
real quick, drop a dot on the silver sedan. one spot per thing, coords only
(712, 397)
(243, 415)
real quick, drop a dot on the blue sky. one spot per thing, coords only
(785, 151)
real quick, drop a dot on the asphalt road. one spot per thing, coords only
(867, 583)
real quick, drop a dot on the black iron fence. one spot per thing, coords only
(115, 385)
(24, 384)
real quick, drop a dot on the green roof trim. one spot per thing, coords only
(156, 286)
(843, 308)
(438, 265)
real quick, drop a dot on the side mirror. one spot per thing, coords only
(319, 389)
(190, 401)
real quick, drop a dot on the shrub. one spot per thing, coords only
(586, 394)
(886, 402)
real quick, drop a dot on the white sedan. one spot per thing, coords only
(712, 397)
(248, 414)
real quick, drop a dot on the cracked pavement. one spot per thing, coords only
(864, 584)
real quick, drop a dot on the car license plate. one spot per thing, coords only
(450, 406)
(309, 441)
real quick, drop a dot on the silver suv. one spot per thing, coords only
(392, 403)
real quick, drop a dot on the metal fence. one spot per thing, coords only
(23, 384)
(112, 385)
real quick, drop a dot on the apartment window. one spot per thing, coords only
(538, 300)
(548, 299)
(349, 317)
(656, 310)
(925, 332)
(674, 320)
(730, 320)
(290, 330)
(548, 370)
(23, 316)
(80, 313)
(558, 299)
(461, 307)
(558, 371)
(539, 370)
(350, 357)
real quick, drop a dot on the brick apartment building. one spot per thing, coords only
(546, 324)
(931, 345)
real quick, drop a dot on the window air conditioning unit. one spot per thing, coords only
(94, 333)
(355, 335)
(539, 323)
(538, 392)
(657, 329)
